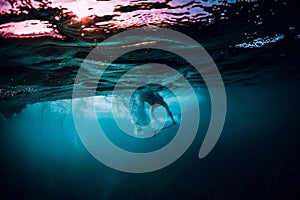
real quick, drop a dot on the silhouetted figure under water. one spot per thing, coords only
(137, 110)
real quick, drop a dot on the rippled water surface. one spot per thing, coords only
(43, 43)
(254, 44)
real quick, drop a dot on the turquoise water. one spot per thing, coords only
(257, 151)
(255, 46)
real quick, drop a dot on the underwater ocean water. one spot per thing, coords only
(43, 44)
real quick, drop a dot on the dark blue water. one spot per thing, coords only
(255, 46)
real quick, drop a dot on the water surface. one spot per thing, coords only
(255, 46)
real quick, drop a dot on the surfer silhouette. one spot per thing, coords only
(137, 110)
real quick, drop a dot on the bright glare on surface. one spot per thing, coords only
(28, 28)
(80, 9)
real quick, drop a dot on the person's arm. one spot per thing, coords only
(164, 104)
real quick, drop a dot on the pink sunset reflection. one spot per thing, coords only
(27, 29)
(82, 18)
